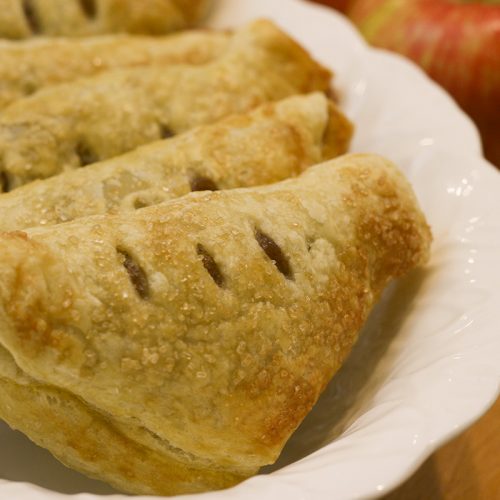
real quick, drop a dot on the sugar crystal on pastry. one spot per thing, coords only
(170, 377)
(269, 144)
(67, 126)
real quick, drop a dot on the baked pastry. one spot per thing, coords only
(176, 348)
(72, 125)
(30, 65)
(27, 18)
(269, 144)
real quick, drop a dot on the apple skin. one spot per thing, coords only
(341, 5)
(457, 42)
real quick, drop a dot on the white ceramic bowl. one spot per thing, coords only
(427, 363)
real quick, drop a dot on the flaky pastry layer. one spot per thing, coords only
(273, 142)
(31, 65)
(70, 125)
(202, 329)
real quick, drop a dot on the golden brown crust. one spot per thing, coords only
(338, 133)
(31, 65)
(27, 18)
(274, 142)
(189, 360)
(71, 125)
(78, 436)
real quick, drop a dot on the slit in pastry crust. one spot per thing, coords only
(203, 388)
(118, 111)
(273, 142)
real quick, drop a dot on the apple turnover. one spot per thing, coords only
(71, 125)
(28, 18)
(273, 142)
(31, 65)
(176, 348)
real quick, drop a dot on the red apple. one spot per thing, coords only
(457, 42)
(340, 5)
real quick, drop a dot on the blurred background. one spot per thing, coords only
(456, 42)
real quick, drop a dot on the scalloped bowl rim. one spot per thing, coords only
(309, 477)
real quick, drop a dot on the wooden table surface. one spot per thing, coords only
(466, 468)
